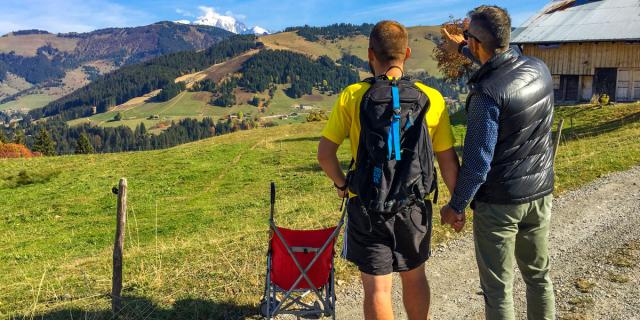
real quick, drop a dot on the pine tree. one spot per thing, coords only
(3, 138)
(18, 137)
(83, 146)
(44, 144)
(143, 129)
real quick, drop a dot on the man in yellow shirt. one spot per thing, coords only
(385, 240)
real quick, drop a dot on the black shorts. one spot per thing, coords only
(380, 245)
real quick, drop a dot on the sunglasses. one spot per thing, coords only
(466, 34)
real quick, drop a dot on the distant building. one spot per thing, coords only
(303, 107)
(591, 47)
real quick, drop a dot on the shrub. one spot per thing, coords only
(453, 66)
(317, 116)
(12, 150)
(270, 124)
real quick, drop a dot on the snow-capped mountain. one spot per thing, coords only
(227, 22)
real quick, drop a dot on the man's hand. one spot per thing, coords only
(452, 217)
(342, 189)
(452, 42)
(343, 193)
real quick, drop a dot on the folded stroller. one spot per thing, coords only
(300, 271)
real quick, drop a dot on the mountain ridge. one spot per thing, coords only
(45, 59)
(343, 44)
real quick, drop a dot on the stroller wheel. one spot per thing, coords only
(265, 303)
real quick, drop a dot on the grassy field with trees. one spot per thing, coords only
(197, 105)
(27, 102)
(197, 226)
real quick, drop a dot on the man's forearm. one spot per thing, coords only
(480, 142)
(328, 160)
(331, 167)
(449, 167)
(470, 182)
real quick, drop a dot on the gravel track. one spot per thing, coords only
(595, 256)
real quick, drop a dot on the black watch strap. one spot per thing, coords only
(343, 188)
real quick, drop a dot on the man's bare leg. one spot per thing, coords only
(377, 297)
(416, 294)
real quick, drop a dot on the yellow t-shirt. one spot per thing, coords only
(344, 120)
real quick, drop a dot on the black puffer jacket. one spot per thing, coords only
(522, 165)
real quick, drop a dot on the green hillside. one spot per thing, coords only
(28, 102)
(421, 45)
(34, 56)
(196, 105)
(197, 225)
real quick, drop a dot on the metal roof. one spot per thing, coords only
(582, 21)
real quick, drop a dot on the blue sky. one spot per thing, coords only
(87, 15)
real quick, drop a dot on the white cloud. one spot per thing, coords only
(212, 13)
(211, 17)
(228, 21)
(237, 16)
(184, 13)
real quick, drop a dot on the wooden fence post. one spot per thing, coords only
(116, 285)
(557, 138)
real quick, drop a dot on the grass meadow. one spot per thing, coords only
(196, 105)
(197, 232)
(29, 102)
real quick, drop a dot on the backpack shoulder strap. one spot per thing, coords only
(408, 78)
(434, 96)
(370, 80)
(365, 97)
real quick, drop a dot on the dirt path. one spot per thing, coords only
(595, 250)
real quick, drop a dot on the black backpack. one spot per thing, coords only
(394, 166)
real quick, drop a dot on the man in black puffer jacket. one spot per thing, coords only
(507, 166)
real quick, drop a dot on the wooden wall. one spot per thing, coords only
(583, 58)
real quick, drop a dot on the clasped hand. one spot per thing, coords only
(451, 217)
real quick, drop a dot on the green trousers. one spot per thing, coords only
(503, 233)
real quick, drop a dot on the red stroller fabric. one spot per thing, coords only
(284, 272)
